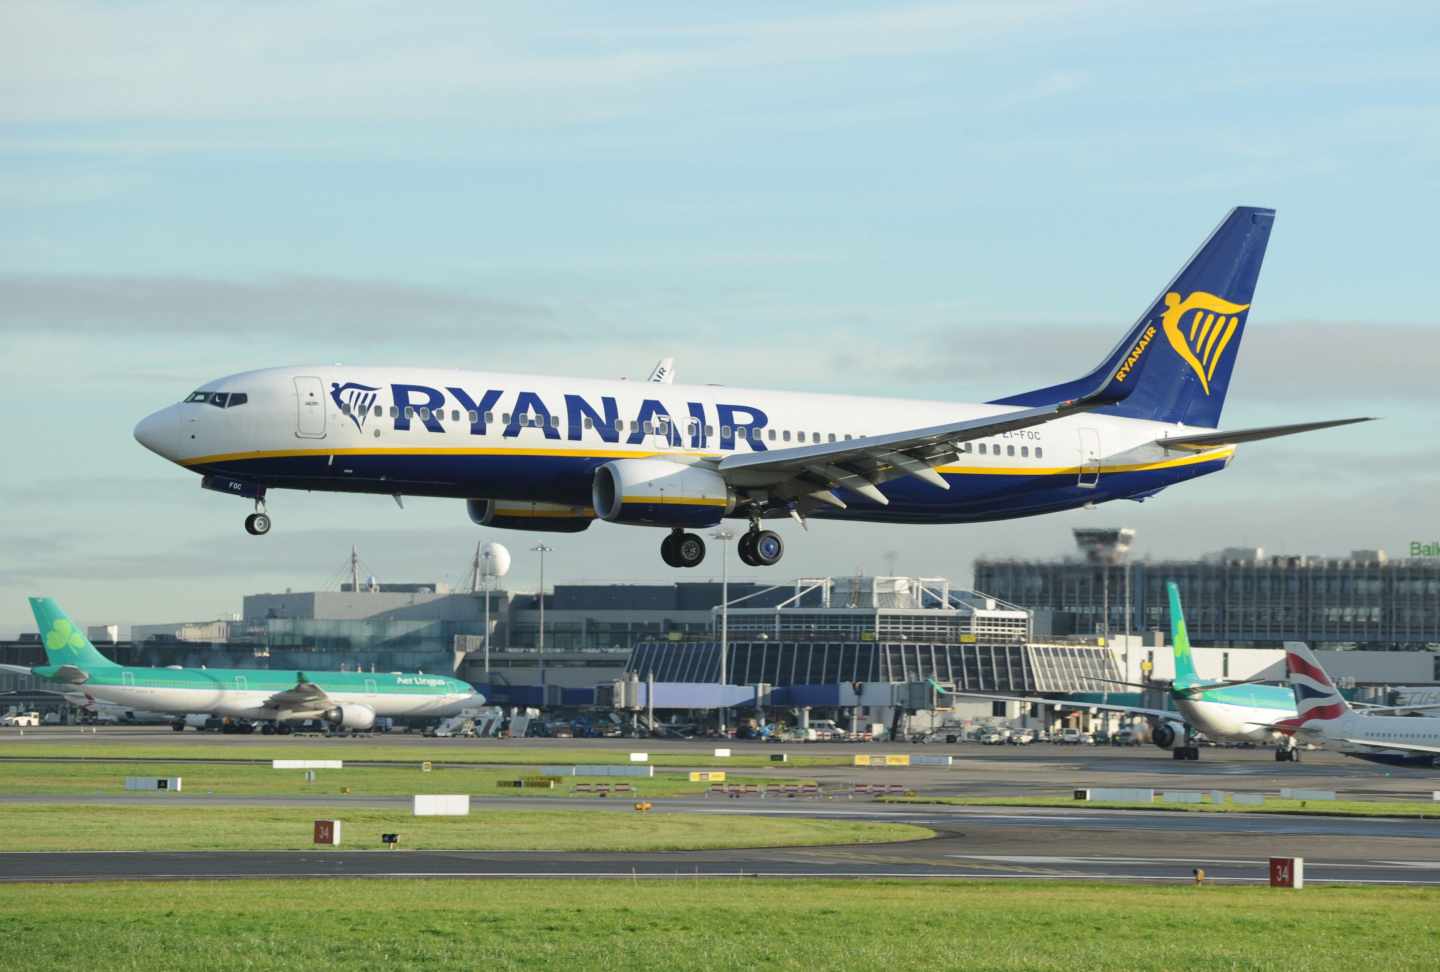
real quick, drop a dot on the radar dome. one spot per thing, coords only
(495, 560)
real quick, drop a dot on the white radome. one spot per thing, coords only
(496, 559)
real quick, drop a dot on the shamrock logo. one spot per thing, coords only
(63, 635)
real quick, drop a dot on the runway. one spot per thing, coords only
(971, 843)
(985, 842)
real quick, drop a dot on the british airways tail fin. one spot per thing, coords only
(1316, 697)
(1180, 354)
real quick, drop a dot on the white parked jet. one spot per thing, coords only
(1323, 716)
(532, 452)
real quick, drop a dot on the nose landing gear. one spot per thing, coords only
(681, 549)
(257, 524)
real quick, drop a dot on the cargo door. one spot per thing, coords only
(310, 408)
(1089, 459)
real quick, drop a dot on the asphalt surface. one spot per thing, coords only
(973, 842)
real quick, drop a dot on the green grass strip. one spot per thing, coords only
(679, 925)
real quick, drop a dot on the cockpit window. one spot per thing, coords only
(218, 399)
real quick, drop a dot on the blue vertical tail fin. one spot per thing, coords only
(1191, 333)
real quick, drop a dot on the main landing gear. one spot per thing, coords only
(761, 548)
(681, 549)
(1287, 754)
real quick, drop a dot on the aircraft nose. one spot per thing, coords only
(158, 432)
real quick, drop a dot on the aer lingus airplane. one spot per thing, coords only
(532, 452)
(348, 700)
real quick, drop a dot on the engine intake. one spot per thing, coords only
(351, 716)
(535, 517)
(658, 492)
(1168, 735)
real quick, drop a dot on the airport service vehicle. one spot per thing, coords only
(21, 720)
(1324, 716)
(344, 700)
(541, 453)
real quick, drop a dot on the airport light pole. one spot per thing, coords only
(724, 536)
(542, 550)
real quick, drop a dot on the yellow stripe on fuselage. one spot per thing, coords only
(1104, 468)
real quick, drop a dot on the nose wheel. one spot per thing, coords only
(761, 548)
(681, 549)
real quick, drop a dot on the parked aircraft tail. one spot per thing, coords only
(65, 643)
(1316, 697)
(1185, 674)
(1191, 333)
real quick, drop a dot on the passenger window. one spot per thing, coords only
(409, 411)
(394, 411)
(505, 418)
(1010, 450)
(648, 428)
(785, 435)
(772, 435)
(1039, 452)
(847, 436)
(709, 431)
(473, 416)
(799, 436)
(982, 448)
(724, 431)
(619, 425)
(1025, 452)
(425, 413)
(588, 423)
(344, 408)
(379, 411)
(832, 436)
(555, 421)
(455, 415)
(634, 427)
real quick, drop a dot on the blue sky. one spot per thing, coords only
(948, 201)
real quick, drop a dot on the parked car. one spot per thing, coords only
(1071, 737)
(1021, 737)
(992, 737)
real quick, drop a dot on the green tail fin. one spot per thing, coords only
(1184, 661)
(65, 643)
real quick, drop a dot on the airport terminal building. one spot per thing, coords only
(1238, 596)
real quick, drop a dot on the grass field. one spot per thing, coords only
(67, 778)
(1349, 808)
(711, 924)
(62, 827)
(495, 753)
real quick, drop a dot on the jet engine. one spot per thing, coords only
(351, 716)
(536, 517)
(1168, 735)
(659, 492)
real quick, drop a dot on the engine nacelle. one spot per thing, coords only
(538, 517)
(1168, 735)
(351, 716)
(659, 492)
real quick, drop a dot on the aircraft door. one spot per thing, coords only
(310, 408)
(1089, 459)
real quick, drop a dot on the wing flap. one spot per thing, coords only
(1387, 744)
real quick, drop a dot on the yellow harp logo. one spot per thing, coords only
(1211, 321)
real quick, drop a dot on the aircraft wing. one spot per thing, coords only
(17, 669)
(860, 465)
(1387, 744)
(1212, 440)
(1392, 709)
(306, 696)
(1170, 715)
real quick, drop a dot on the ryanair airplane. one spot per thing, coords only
(531, 452)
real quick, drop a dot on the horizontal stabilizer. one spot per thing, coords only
(1210, 440)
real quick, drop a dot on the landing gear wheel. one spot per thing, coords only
(257, 524)
(688, 549)
(767, 548)
(667, 550)
(747, 550)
